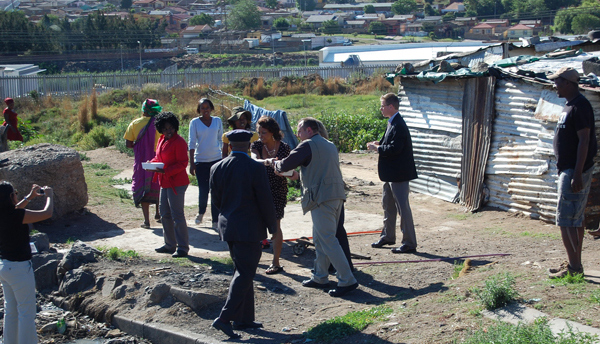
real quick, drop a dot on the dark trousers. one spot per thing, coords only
(203, 176)
(342, 237)
(239, 306)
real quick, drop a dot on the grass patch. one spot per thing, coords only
(123, 194)
(70, 241)
(115, 253)
(569, 279)
(537, 332)
(457, 266)
(120, 181)
(595, 296)
(498, 291)
(348, 324)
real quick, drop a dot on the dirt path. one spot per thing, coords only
(428, 305)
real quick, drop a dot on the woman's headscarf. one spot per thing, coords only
(151, 107)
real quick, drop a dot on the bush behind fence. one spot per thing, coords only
(78, 85)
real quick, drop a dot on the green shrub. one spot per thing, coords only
(114, 253)
(498, 291)
(538, 332)
(98, 137)
(353, 131)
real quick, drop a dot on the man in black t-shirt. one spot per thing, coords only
(575, 147)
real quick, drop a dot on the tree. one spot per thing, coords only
(272, 4)
(281, 24)
(564, 17)
(484, 7)
(202, 19)
(429, 11)
(428, 26)
(126, 3)
(331, 27)
(377, 28)
(404, 6)
(244, 16)
(306, 5)
(583, 23)
(369, 9)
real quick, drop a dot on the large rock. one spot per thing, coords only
(46, 164)
(78, 255)
(45, 276)
(41, 241)
(76, 281)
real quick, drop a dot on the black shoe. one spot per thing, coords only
(164, 249)
(404, 249)
(179, 254)
(341, 291)
(244, 325)
(381, 242)
(225, 327)
(312, 284)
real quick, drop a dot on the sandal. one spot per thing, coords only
(595, 234)
(272, 270)
(145, 226)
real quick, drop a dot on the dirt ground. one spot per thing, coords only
(429, 306)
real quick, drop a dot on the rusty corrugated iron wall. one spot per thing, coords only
(478, 115)
(521, 170)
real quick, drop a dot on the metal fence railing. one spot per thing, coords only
(81, 84)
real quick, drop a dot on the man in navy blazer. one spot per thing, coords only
(396, 167)
(240, 190)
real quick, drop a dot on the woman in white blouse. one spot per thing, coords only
(205, 150)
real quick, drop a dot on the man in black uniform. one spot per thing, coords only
(240, 190)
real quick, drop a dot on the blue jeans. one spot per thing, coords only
(203, 176)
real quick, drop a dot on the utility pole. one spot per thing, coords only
(140, 45)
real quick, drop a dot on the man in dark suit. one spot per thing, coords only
(396, 167)
(240, 190)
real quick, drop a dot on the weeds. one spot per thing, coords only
(538, 332)
(595, 296)
(499, 290)
(569, 279)
(70, 241)
(457, 267)
(115, 253)
(82, 115)
(348, 324)
(123, 194)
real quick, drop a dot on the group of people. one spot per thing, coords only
(246, 174)
(154, 138)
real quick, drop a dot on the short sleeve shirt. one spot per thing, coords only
(14, 236)
(134, 128)
(576, 115)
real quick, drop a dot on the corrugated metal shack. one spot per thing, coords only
(488, 141)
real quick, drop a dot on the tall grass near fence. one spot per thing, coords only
(100, 119)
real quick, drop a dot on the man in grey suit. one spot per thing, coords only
(240, 190)
(323, 195)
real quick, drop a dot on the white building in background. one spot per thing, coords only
(12, 86)
(395, 53)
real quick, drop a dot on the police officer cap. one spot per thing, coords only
(239, 135)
